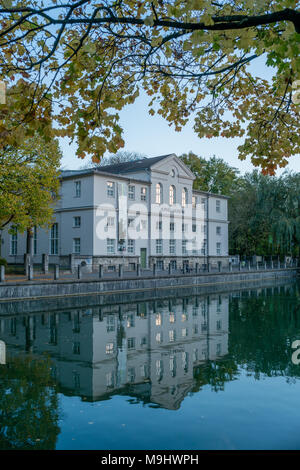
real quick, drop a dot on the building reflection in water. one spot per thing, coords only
(150, 351)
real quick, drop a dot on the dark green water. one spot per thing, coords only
(203, 372)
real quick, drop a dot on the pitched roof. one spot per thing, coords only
(136, 165)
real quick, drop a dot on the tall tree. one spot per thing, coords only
(191, 57)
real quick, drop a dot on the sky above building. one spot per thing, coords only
(152, 136)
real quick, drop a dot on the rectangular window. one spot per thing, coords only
(194, 227)
(54, 239)
(218, 230)
(34, 240)
(110, 188)
(159, 246)
(77, 188)
(14, 243)
(110, 245)
(131, 192)
(194, 201)
(110, 222)
(76, 246)
(143, 194)
(76, 221)
(172, 226)
(109, 348)
(172, 247)
(218, 205)
(184, 249)
(76, 347)
(218, 248)
(131, 246)
(159, 225)
(131, 343)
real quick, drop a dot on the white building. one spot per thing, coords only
(135, 212)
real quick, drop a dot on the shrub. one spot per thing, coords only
(3, 262)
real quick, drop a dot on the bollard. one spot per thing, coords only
(138, 269)
(79, 272)
(100, 270)
(56, 272)
(120, 270)
(30, 272)
(154, 269)
(45, 263)
(2, 273)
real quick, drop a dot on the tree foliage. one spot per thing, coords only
(29, 183)
(82, 61)
(213, 175)
(264, 210)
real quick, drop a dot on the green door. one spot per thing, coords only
(143, 257)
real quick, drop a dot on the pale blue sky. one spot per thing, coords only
(152, 136)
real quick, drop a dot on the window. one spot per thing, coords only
(172, 336)
(143, 225)
(143, 194)
(131, 246)
(203, 228)
(172, 226)
(158, 337)
(131, 192)
(76, 221)
(218, 248)
(194, 227)
(184, 197)
(76, 347)
(172, 195)
(172, 247)
(110, 221)
(110, 245)
(77, 188)
(158, 319)
(110, 188)
(218, 230)
(14, 243)
(203, 249)
(158, 246)
(172, 317)
(76, 246)
(218, 205)
(131, 343)
(109, 348)
(159, 225)
(54, 239)
(130, 222)
(194, 201)
(158, 193)
(34, 240)
(184, 250)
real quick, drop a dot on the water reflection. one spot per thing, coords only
(150, 349)
(155, 352)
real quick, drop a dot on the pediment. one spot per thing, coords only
(172, 164)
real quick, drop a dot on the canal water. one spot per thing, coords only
(217, 371)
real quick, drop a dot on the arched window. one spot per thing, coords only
(158, 193)
(172, 195)
(184, 197)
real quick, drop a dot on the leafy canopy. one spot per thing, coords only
(82, 61)
(29, 183)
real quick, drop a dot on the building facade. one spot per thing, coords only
(143, 212)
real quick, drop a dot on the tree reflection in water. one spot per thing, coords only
(29, 410)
